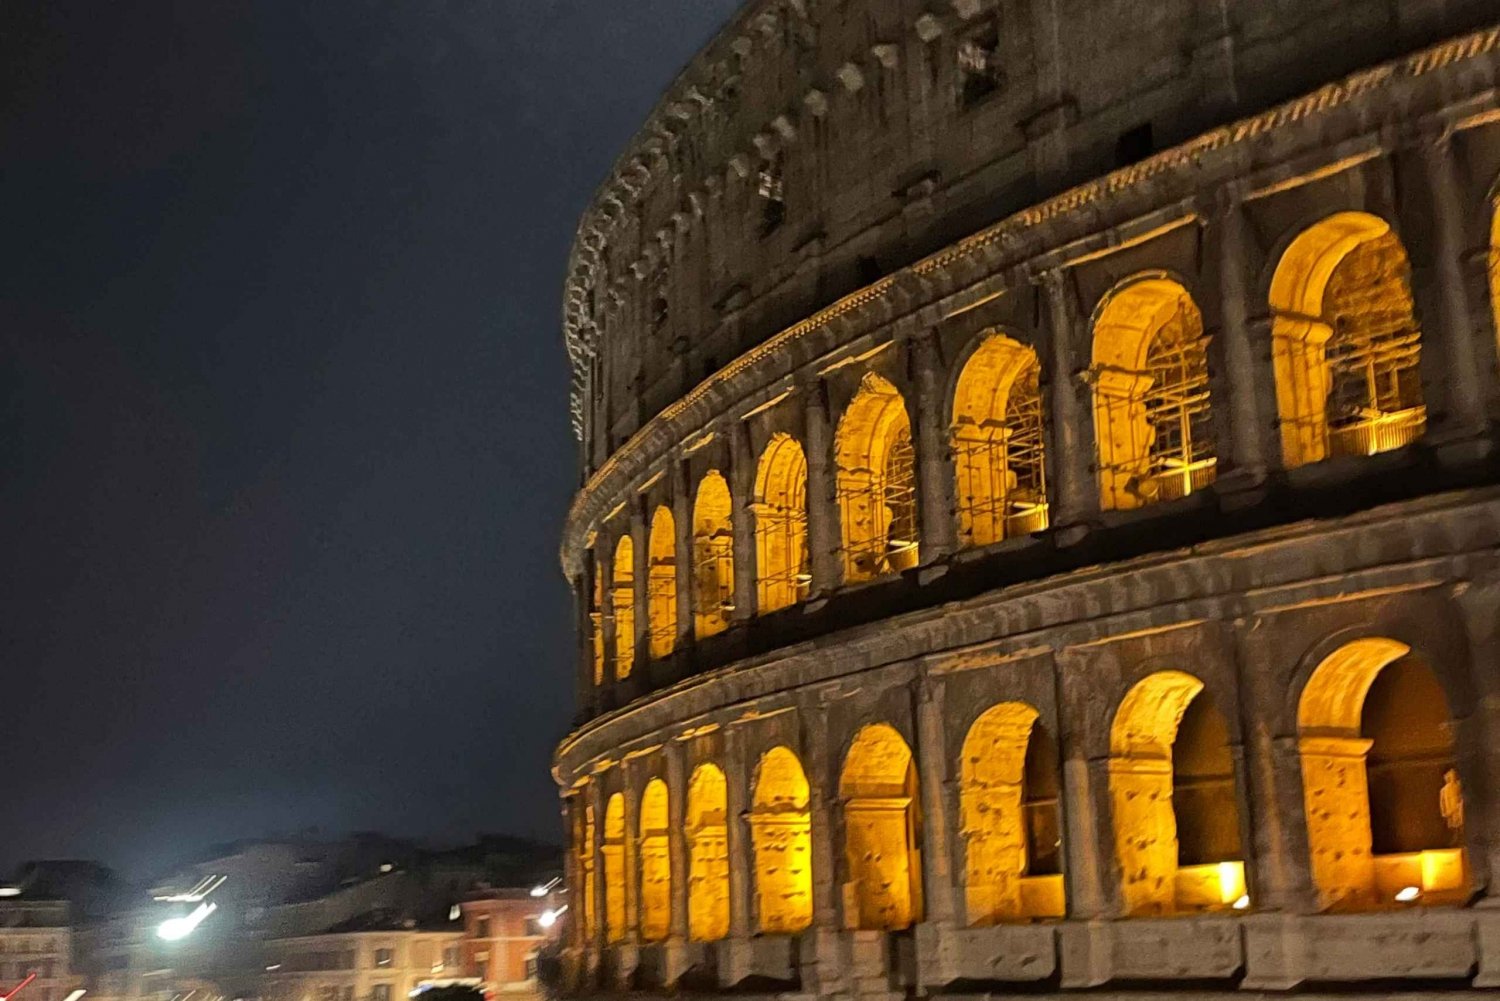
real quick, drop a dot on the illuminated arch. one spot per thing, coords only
(622, 595)
(1151, 401)
(877, 483)
(882, 831)
(1345, 342)
(1494, 266)
(780, 508)
(1380, 784)
(661, 584)
(998, 455)
(612, 850)
(1175, 812)
(656, 863)
(707, 833)
(781, 835)
(1008, 804)
(713, 556)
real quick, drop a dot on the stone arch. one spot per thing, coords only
(1494, 264)
(1345, 342)
(882, 831)
(996, 434)
(1162, 761)
(622, 597)
(781, 835)
(1151, 395)
(713, 555)
(877, 485)
(1009, 818)
(1380, 785)
(612, 851)
(655, 863)
(661, 583)
(780, 507)
(707, 831)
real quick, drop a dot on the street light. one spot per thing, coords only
(549, 917)
(178, 928)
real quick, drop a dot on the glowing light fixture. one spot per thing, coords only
(205, 886)
(386, 867)
(1407, 894)
(1243, 903)
(176, 929)
(10, 891)
(80, 992)
(548, 918)
(545, 888)
(455, 912)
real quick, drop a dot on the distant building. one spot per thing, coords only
(504, 930)
(36, 936)
(381, 956)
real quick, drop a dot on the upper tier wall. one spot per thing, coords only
(888, 130)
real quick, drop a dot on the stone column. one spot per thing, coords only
(1245, 380)
(1434, 233)
(822, 501)
(741, 490)
(822, 959)
(600, 939)
(737, 843)
(940, 886)
(682, 525)
(1277, 860)
(1070, 443)
(677, 849)
(640, 535)
(584, 618)
(934, 462)
(1478, 743)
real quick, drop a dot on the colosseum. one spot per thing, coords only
(1040, 506)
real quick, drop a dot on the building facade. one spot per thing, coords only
(386, 964)
(1039, 512)
(504, 932)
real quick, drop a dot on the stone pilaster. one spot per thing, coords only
(822, 504)
(1070, 442)
(1433, 228)
(741, 491)
(939, 883)
(683, 492)
(677, 858)
(934, 460)
(1478, 743)
(741, 861)
(1250, 404)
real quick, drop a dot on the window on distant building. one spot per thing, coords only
(533, 929)
(380, 992)
(384, 957)
(482, 928)
(452, 957)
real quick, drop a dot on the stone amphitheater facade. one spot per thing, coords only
(1039, 513)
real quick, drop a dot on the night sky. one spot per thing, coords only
(284, 419)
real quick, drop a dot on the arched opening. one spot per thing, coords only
(713, 556)
(882, 831)
(708, 854)
(1345, 342)
(622, 597)
(877, 483)
(1151, 402)
(1008, 796)
(1172, 792)
(587, 876)
(656, 863)
(661, 584)
(596, 617)
(612, 848)
(998, 456)
(1380, 780)
(781, 834)
(780, 508)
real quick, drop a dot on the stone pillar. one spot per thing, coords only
(741, 492)
(741, 863)
(599, 941)
(1250, 403)
(683, 494)
(1434, 234)
(939, 883)
(586, 629)
(934, 462)
(1478, 743)
(677, 850)
(1277, 858)
(1070, 443)
(640, 535)
(822, 502)
(822, 958)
